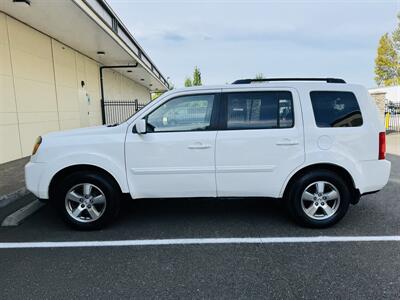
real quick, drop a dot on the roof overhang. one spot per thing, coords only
(90, 27)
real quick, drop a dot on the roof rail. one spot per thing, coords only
(328, 80)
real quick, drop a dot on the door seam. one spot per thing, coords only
(215, 164)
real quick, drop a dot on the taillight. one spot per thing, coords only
(382, 145)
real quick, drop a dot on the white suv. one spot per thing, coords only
(317, 144)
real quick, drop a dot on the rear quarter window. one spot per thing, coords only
(336, 109)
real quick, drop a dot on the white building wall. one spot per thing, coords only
(119, 87)
(66, 86)
(9, 129)
(41, 91)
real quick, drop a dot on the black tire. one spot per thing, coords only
(295, 192)
(104, 184)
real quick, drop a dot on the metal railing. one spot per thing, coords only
(104, 11)
(392, 117)
(117, 111)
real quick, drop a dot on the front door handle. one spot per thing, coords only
(287, 142)
(199, 146)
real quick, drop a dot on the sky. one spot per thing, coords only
(235, 39)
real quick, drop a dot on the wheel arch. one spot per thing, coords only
(76, 168)
(344, 173)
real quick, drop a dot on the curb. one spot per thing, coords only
(11, 197)
(17, 217)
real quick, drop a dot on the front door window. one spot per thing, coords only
(186, 113)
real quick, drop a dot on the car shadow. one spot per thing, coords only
(202, 216)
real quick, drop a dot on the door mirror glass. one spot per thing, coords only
(141, 126)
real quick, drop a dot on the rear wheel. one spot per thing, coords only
(319, 199)
(87, 200)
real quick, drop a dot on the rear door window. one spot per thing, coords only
(259, 110)
(336, 109)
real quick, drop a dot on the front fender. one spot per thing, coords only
(117, 170)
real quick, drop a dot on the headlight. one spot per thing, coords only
(37, 144)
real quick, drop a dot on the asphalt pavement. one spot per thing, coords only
(345, 270)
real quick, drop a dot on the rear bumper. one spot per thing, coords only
(33, 174)
(375, 175)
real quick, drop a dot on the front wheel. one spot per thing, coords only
(87, 200)
(319, 199)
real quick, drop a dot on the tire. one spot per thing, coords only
(87, 200)
(318, 199)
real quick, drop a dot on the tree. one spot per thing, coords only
(157, 94)
(259, 76)
(188, 82)
(396, 42)
(196, 77)
(387, 63)
(396, 35)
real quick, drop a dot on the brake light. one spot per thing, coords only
(382, 145)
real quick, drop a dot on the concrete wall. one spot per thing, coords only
(41, 90)
(392, 93)
(380, 99)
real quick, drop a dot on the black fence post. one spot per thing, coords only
(103, 112)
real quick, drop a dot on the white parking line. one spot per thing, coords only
(395, 180)
(203, 241)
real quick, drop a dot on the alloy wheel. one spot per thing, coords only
(85, 202)
(320, 200)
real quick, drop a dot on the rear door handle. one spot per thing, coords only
(287, 142)
(199, 146)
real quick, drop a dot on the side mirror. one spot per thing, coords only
(141, 126)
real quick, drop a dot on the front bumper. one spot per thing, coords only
(33, 173)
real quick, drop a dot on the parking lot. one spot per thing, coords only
(238, 269)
